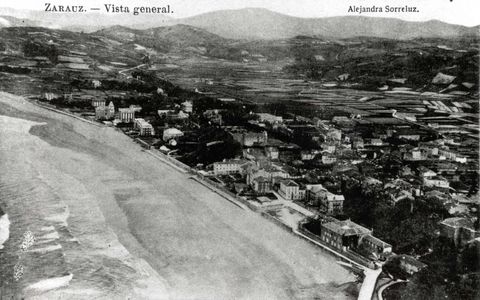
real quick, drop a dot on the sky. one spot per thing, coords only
(464, 12)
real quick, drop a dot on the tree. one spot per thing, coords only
(31, 48)
(452, 273)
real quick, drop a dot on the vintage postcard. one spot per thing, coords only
(241, 149)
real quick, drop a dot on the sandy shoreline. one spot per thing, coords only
(199, 245)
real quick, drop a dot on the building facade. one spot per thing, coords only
(98, 102)
(327, 201)
(262, 185)
(126, 115)
(272, 153)
(328, 159)
(436, 181)
(231, 166)
(342, 235)
(144, 128)
(459, 230)
(187, 106)
(105, 112)
(289, 189)
(269, 118)
(249, 139)
(374, 245)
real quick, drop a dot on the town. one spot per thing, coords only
(355, 184)
(386, 182)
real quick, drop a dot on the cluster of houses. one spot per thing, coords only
(342, 236)
(273, 162)
(105, 112)
(108, 113)
(269, 167)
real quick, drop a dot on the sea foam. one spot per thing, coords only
(4, 229)
(46, 249)
(50, 284)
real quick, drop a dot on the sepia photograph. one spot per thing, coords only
(239, 150)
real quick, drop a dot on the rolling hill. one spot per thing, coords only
(167, 38)
(367, 60)
(184, 35)
(247, 23)
(258, 23)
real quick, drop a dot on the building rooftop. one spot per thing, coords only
(316, 188)
(346, 227)
(126, 110)
(411, 261)
(172, 131)
(289, 182)
(376, 241)
(458, 222)
(261, 179)
(232, 161)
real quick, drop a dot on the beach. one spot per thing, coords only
(124, 225)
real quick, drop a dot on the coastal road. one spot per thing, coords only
(368, 285)
(385, 286)
(124, 205)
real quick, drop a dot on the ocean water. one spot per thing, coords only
(42, 253)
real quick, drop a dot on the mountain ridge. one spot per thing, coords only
(265, 24)
(257, 24)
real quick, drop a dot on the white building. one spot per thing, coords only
(160, 91)
(329, 202)
(447, 154)
(96, 83)
(230, 166)
(376, 142)
(436, 181)
(328, 147)
(269, 118)
(50, 96)
(269, 172)
(126, 115)
(289, 189)
(144, 127)
(187, 106)
(272, 152)
(249, 139)
(98, 102)
(328, 158)
(135, 108)
(307, 155)
(105, 112)
(426, 173)
(417, 154)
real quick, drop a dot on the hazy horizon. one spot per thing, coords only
(459, 12)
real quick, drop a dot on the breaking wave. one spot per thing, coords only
(4, 228)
